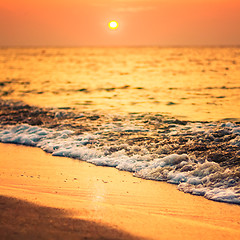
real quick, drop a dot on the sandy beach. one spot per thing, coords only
(119, 120)
(100, 203)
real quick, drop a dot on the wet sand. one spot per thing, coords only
(110, 201)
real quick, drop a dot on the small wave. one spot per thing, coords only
(202, 158)
(142, 154)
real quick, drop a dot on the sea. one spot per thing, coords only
(189, 83)
(164, 114)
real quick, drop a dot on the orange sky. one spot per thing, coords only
(141, 22)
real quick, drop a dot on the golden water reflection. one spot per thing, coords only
(190, 83)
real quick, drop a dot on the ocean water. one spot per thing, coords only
(192, 173)
(188, 83)
(165, 114)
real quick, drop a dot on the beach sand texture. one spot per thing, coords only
(111, 203)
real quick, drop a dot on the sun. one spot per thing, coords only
(113, 25)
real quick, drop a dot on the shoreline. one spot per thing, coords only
(201, 158)
(142, 208)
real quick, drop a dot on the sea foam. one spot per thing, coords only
(204, 178)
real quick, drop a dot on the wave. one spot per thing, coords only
(201, 158)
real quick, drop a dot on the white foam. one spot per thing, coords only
(236, 130)
(207, 179)
(235, 141)
(223, 195)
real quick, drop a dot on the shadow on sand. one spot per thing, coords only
(23, 220)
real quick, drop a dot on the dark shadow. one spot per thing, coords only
(23, 220)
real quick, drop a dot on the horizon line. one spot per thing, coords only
(125, 46)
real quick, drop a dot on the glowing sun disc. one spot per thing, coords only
(113, 25)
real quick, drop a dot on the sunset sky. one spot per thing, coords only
(141, 22)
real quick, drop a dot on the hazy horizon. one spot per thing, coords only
(121, 46)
